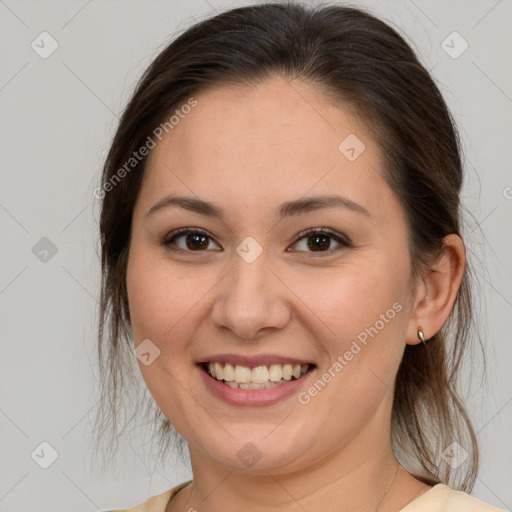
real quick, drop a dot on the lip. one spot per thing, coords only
(253, 361)
(253, 397)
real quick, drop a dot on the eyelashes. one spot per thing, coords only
(197, 240)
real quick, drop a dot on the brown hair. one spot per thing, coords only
(362, 62)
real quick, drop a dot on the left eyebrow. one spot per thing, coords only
(310, 204)
(287, 209)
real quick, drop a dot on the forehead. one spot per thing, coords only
(274, 140)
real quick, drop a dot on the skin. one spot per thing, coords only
(248, 150)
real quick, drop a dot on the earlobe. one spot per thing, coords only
(440, 285)
(421, 334)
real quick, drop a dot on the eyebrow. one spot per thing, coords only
(288, 209)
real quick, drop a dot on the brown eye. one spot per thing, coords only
(196, 242)
(321, 240)
(188, 240)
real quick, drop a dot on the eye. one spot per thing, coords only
(188, 240)
(320, 240)
(317, 240)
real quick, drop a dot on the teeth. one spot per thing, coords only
(275, 372)
(287, 371)
(242, 374)
(251, 385)
(259, 374)
(229, 373)
(259, 377)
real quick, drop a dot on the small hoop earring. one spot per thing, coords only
(421, 335)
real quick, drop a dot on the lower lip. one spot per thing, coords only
(252, 397)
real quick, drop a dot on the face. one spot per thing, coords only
(300, 304)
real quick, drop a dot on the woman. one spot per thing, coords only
(281, 246)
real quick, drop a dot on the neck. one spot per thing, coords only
(359, 476)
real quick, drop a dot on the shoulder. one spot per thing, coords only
(156, 503)
(442, 498)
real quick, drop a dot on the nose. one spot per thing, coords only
(251, 301)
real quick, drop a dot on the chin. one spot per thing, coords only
(258, 449)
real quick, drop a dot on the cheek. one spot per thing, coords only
(350, 299)
(161, 296)
(164, 302)
(361, 321)
(360, 326)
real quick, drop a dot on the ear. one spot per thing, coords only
(437, 289)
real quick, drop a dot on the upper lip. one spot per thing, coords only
(253, 361)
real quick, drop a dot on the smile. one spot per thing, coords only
(258, 377)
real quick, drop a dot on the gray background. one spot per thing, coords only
(58, 116)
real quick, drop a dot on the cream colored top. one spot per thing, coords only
(440, 498)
